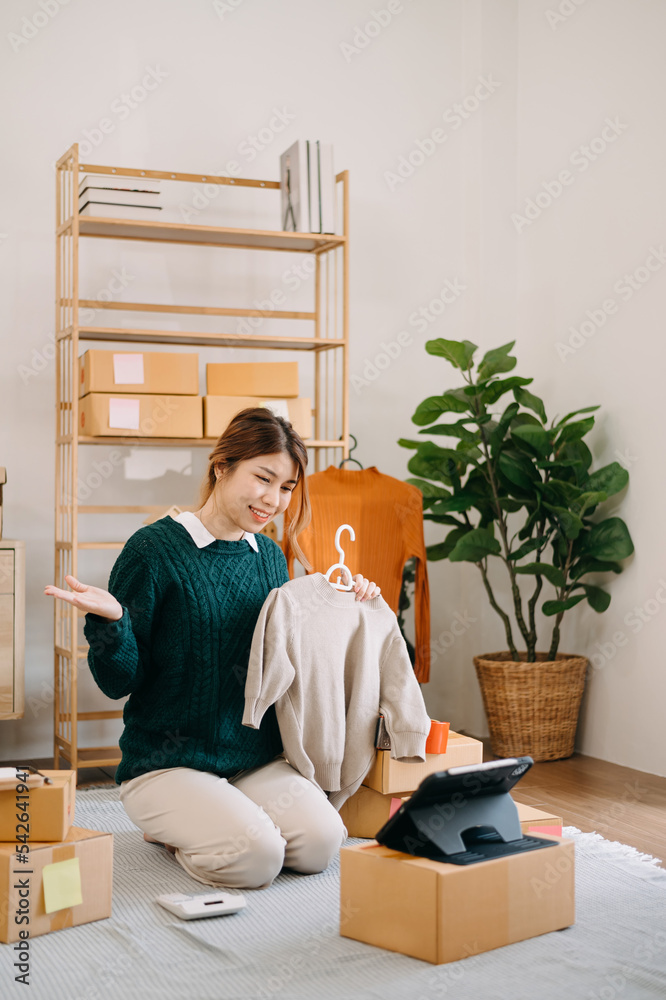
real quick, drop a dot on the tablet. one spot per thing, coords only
(463, 816)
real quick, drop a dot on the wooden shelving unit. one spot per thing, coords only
(327, 338)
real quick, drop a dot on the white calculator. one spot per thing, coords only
(204, 904)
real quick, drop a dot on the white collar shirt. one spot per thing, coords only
(202, 536)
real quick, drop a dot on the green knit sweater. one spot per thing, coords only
(181, 650)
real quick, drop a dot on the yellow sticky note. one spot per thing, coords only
(62, 885)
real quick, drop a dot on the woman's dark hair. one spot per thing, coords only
(258, 431)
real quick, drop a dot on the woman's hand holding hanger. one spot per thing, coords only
(365, 589)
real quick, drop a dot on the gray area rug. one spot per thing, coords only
(286, 945)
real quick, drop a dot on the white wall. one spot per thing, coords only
(222, 69)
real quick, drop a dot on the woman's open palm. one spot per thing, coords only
(92, 600)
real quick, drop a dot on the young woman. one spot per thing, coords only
(173, 632)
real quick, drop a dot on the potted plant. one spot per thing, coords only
(515, 488)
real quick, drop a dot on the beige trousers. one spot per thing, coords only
(237, 832)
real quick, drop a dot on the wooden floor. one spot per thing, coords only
(617, 802)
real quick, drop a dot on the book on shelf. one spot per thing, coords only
(109, 196)
(309, 204)
(112, 182)
(104, 210)
(313, 187)
(326, 187)
(294, 188)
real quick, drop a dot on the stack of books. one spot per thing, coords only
(113, 197)
(307, 185)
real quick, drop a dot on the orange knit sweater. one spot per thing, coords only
(387, 517)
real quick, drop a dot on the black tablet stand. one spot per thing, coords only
(445, 831)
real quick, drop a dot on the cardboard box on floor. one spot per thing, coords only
(367, 810)
(537, 821)
(157, 372)
(441, 912)
(50, 808)
(397, 777)
(252, 378)
(77, 890)
(218, 411)
(103, 414)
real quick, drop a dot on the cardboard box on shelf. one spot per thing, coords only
(156, 372)
(218, 411)
(50, 808)
(252, 378)
(103, 414)
(393, 776)
(443, 913)
(64, 885)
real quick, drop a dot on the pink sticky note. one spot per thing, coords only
(395, 805)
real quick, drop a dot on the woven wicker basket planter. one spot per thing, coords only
(532, 708)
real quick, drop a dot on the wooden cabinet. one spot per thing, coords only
(12, 628)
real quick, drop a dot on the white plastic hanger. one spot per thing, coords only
(341, 565)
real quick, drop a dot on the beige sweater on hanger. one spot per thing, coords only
(332, 665)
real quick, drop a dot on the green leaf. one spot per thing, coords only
(407, 443)
(609, 480)
(527, 547)
(494, 390)
(458, 430)
(518, 470)
(443, 519)
(474, 546)
(574, 413)
(578, 452)
(587, 564)
(438, 551)
(432, 408)
(511, 505)
(551, 573)
(586, 501)
(429, 490)
(496, 361)
(570, 523)
(537, 439)
(560, 493)
(596, 597)
(458, 352)
(532, 402)
(499, 433)
(443, 549)
(575, 431)
(454, 504)
(609, 540)
(554, 607)
(444, 465)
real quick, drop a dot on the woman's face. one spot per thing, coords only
(257, 490)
